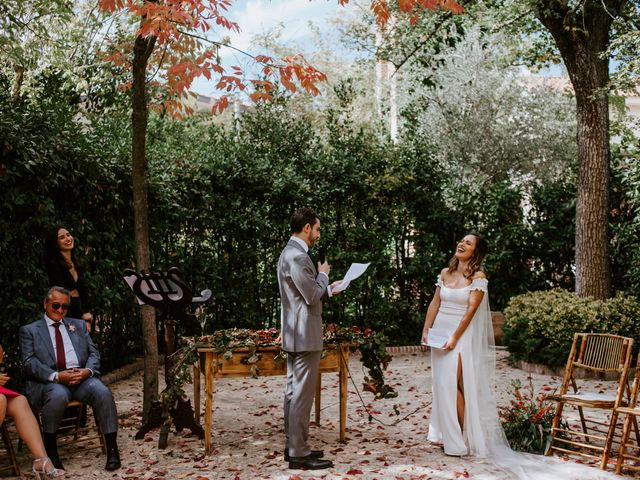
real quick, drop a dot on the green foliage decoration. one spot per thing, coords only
(527, 420)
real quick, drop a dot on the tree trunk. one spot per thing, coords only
(582, 36)
(593, 271)
(17, 83)
(142, 50)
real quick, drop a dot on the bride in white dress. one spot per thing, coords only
(464, 416)
(460, 298)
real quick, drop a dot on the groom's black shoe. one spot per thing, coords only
(309, 463)
(313, 454)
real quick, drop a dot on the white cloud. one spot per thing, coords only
(262, 15)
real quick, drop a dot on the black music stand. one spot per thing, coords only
(171, 298)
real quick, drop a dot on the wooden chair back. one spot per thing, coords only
(603, 352)
(598, 352)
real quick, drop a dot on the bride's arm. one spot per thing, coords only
(432, 311)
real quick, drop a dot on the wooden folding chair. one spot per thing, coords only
(595, 352)
(631, 411)
(12, 463)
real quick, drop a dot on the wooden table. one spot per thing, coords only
(336, 359)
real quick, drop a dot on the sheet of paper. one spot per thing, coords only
(355, 270)
(436, 338)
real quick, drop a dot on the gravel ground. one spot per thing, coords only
(248, 435)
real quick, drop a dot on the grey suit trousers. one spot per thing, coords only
(91, 391)
(302, 378)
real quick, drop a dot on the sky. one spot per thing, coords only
(256, 17)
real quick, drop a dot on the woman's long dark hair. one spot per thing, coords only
(475, 263)
(51, 253)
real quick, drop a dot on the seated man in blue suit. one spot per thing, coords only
(62, 364)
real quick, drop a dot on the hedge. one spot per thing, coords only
(539, 326)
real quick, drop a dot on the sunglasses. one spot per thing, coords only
(58, 306)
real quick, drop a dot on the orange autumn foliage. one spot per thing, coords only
(183, 51)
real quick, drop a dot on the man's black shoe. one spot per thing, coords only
(313, 454)
(113, 459)
(309, 463)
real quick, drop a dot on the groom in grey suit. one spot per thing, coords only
(302, 290)
(62, 363)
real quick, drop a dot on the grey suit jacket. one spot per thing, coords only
(39, 358)
(301, 293)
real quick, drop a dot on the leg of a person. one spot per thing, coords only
(305, 377)
(460, 395)
(434, 434)
(55, 398)
(288, 393)
(95, 393)
(3, 408)
(444, 423)
(18, 408)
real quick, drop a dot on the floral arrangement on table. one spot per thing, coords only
(372, 346)
(527, 421)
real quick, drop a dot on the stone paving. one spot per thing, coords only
(248, 435)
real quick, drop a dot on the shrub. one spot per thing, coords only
(540, 325)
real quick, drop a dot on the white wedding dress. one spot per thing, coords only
(482, 435)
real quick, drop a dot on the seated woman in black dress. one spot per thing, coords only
(63, 271)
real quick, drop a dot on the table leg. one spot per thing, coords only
(343, 377)
(318, 398)
(196, 393)
(208, 402)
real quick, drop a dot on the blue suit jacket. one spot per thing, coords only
(39, 359)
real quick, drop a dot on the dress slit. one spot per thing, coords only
(460, 391)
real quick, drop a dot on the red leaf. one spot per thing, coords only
(220, 105)
(380, 10)
(406, 5)
(355, 471)
(452, 6)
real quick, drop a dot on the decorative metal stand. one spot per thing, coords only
(171, 298)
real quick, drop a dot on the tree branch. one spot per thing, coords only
(443, 18)
(219, 44)
(164, 52)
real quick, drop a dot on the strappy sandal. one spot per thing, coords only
(41, 471)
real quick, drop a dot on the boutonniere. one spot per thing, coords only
(71, 328)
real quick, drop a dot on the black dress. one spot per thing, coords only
(60, 276)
